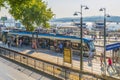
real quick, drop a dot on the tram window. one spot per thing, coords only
(76, 45)
(59, 41)
(39, 41)
(67, 44)
(26, 40)
(85, 47)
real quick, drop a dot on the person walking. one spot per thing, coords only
(110, 64)
(101, 60)
(90, 57)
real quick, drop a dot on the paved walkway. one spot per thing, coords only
(12, 71)
(58, 59)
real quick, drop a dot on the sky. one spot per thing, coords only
(66, 8)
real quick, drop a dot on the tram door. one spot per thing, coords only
(44, 43)
(65, 43)
(26, 40)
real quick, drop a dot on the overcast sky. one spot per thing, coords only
(66, 8)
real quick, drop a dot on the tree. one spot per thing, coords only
(30, 13)
(2, 3)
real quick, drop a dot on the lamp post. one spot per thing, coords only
(105, 15)
(81, 34)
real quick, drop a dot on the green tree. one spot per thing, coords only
(30, 13)
(2, 3)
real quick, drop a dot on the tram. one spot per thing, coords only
(47, 40)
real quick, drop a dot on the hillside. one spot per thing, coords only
(88, 19)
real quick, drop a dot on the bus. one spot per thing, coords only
(48, 40)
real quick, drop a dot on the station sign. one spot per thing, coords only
(112, 46)
(67, 55)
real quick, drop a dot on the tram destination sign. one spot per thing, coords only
(112, 46)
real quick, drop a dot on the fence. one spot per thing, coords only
(62, 72)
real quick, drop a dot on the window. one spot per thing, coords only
(67, 44)
(75, 45)
(85, 47)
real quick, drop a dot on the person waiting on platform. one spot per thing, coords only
(8, 42)
(34, 44)
(90, 57)
(110, 64)
(20, 42)
(61, 47)
(101, 59)
(55, 46)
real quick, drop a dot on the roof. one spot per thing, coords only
(112, 46)
(68, 27)
(51, 35)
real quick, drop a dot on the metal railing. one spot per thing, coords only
(62, 72)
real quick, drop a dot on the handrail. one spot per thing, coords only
(69, 69)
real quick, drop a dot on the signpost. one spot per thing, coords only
(67, 55)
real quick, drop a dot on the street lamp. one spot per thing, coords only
(105, 15)
(81, 34)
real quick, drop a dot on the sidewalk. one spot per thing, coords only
(57, 58)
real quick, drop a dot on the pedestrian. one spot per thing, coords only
(20, 42)
(90, 57)
(35, 45)
(101, 59)
(110, 64)
(8, 42)
(117, 55)
(61, 47)
(48, 45)
(55, 46)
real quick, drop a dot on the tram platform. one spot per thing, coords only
(57, 58)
